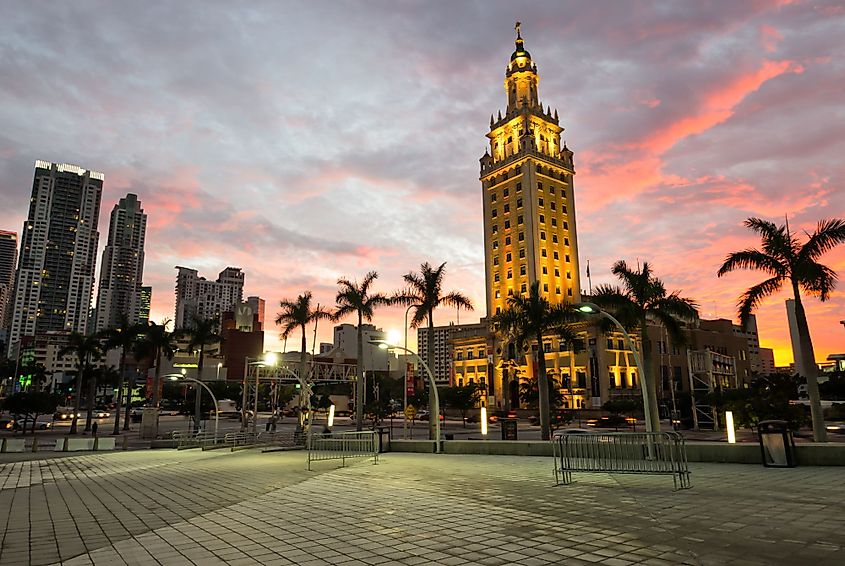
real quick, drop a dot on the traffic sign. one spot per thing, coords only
(410, 412)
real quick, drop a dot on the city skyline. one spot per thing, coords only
(680, 122)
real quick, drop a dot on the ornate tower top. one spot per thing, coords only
(521, 76)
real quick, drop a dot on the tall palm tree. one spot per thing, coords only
(356, 298)
(157, 342)
(86, 349)
(643, 298)
(787, 261)
(425, 293)
(526, 319)
(123, 336)
(203, 333)
(298, 314)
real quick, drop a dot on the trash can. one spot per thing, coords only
(777, 446)
(509, 429)
(383, 439)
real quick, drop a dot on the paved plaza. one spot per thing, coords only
(189, 507)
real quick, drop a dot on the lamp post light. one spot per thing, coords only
(183, 377)
(433, 386)
(593, 309)
(405, 384)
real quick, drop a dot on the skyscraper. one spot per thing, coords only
(55, 277)
(146, 301)
(122, 269)
(8, 253)
(198, 297)
(529, 220)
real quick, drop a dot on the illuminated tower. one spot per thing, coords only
(55, 276)
(529, 202)
(122, 268)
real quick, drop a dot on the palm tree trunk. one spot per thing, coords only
(198, 398)
(156, 399)
(646, 379)
(809, 369)
(130, 386)
(543, 390)
(430, 359)
(76, 401)
(304, 401)
(92, 394)
(120, 381)
(359, 385)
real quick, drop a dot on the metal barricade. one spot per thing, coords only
(200, 440)
(662, 453)
(342, 446)
(236, 440)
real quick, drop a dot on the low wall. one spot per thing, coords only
(830, 454)
(12, 445)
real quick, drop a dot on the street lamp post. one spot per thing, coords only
(405, 384)
(593, 309)
(433, 386)
(181, 377)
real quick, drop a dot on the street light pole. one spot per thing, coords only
(178, 376)
(405, 385)
(592, 309)
(433, 387)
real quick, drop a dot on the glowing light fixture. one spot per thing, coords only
(484, 420)
(270, 359)
(729, 424)
(331, 416)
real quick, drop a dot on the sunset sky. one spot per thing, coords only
(305, 141)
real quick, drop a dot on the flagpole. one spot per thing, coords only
(589, 280)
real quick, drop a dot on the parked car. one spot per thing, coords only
(65, 414)
(100, 413)
(26, 424)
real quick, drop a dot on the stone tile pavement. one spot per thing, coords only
(168, 507)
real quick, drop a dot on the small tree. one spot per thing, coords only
(31, 404)
(462, 398)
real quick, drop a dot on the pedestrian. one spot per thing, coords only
(94, 427)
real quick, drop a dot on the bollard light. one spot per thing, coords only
(729, 424)
(331, 416)
(484, 420)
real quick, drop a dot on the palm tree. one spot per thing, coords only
(123, 336)
(295, 315)
(425, 293)
(86, 349)
(355, 298)
(157, 342)
(203, 333)
(641, 299)
(526, 319)
(787, 261)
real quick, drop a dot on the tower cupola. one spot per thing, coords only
(521, 77)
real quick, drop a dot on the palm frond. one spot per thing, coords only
(752, 259)
(816, 279)
(751, 299)
(829, 234)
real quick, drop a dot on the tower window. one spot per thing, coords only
(495, 228)
(495, 260)
(541, 201)
(519, 219)
(566, 258)
(510, 274)
(539, 185)
(569, 275)
(557, 272)
(507, 208)
(508, 256)
(569, 291)
(556, 256)
(507, 240)
(494, 213)
(543, 219)
(495, 244)
(521, 236)
(519, 187)
(522, 269)
(542, 235)
(506, 192)
(545, 287)
(493, 197)
(554, 221)
(543, 252)
(566, 241)
(519, 203)
(522, 288)
(496, 277)
(551, 190)
(554, 238)
(545, 270)
(557, 290)
(522, 253)
(563, 208)
(507, 224)
(566, 225)
(498, 294)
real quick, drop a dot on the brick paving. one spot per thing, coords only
(169, 507)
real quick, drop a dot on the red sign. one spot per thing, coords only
(409, 378)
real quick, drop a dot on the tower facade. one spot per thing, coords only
(55, 277)
(530, 231)
(529, 200)
(198, 297)
(8, 257)
(122, 268)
